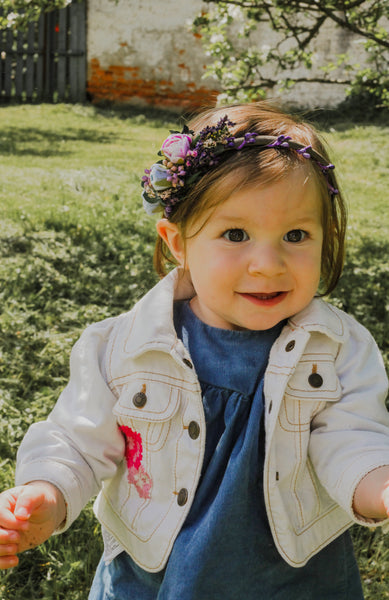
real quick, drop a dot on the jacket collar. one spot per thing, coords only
(151, 326)
(322, 317)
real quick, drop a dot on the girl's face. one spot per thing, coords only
(256, 261)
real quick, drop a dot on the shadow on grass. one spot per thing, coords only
(363, 289)
(355, 110)
(350, 113)
(81, 264)
(154, 117)
(44, 142)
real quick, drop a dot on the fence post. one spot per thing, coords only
(39, 82)
(19, 65)
(62, 54)
(77, 63)
(30, 66)
(49, 85)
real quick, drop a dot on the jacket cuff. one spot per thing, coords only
(56, 474)
(364, 464)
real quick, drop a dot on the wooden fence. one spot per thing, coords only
(47, 62)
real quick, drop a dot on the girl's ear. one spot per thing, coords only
(172, 237)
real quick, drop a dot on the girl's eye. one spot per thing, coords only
(235, 235)
(295, 236)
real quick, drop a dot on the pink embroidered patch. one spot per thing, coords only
(134, 450)
(141, 480)
(134, 454)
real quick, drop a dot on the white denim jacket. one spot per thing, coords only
(325, 419)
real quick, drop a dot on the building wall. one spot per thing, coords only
(142, 51)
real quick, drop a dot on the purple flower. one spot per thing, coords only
(304, 151)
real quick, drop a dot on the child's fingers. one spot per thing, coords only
(7, 562)
(28, 501)
(9, 548)
(28, 516)
(8, 536)
(385, 498)
(8, 501)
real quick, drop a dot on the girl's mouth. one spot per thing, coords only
(261, 299)
(266, 296)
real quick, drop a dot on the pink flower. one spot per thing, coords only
(176, 147)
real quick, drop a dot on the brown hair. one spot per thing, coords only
(252, 165)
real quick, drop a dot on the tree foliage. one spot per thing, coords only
(247, 69)
(16, 14)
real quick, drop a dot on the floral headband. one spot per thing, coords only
(186, 158)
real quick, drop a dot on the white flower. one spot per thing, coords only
(158, 177)
(11, 18)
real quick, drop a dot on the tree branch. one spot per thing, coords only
(298, 23)
(313, 6)
(311, 31)
(271, 83)
(344, 23)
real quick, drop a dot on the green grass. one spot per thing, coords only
(76, 247)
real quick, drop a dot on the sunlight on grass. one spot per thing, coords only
(363, 160)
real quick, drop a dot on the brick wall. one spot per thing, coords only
(141, 51)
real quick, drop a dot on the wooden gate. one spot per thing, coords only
(47, 62)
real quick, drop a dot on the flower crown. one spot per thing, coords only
(186, 158)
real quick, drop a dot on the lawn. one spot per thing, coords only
(76, 247)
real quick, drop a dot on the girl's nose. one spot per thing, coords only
(267, 261)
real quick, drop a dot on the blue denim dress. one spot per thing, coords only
(225, 549)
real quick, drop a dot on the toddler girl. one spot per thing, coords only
(232, 423)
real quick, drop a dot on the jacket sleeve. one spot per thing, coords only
(79, 445)
(350, 437)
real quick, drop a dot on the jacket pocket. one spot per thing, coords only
(306, 498)
(312, 385)
(142, 494)
(314, 378)
(148, 408)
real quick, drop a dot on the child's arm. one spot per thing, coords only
(80, 444)
(29, 514)
(349, 443)
(371, 498)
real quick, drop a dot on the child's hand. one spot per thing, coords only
(371, 498)
(29, 514)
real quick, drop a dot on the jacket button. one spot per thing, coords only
(187, 362)
(139, 400)
(315, 380)
(290, 345)
(194, 430)
(182, 497)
